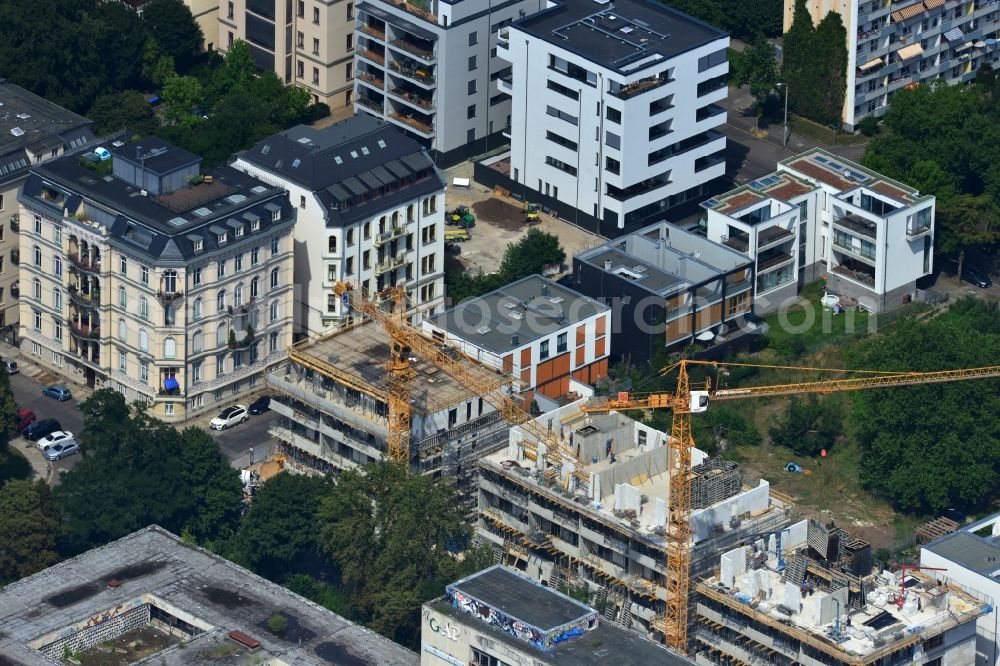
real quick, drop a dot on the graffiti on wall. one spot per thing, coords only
(543, 640)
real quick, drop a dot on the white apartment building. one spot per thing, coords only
(542, 332)
(893, 45)
(429, 67)
(370, 212)
(971, 557)
(616, 110)
(146, 275)
(308, 43)
(820, 214)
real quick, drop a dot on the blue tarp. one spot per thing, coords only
(170, 384)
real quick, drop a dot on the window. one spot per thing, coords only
(300, 69)
(275, 277)
(349, 70)
(473, 38)
(56, 233)
(350, 42)
(350, 11)
(238, 295)
(562, 141)
(563, 90)
(315, 46)
(273, 314)
(37, 251)
(231, 39)
(613, 140)
(472, 63)
(300, 10)
(57, 332)
(123, 359)
(221, 337)
(123, 265)
(612, 165)
(349, 266)
(331, 245)
(274, 246)
(316, 15)
(38, 225)
(711, 60)
(556, 113)
(196, 372)
(612, 114)
(37, 320)
(427, 264)
(36, 289)
(122, 330)
(168, 409)
(543, 349)
(143, 307)
(197, 341)
(169, 348)
(300, 40)
(255, 256)
(196, 277)
(561, 343)
(199, 245)
(472, 87)
(143, 340)
(144, 274)
(471, 111)
(220, 301)
(57, 301)
(315, 78)
(220, 269)
(230, 10)
(273, 342)
(254, 288)
(559, 164)
(428, 234)
(122, 297)
(470, 136)
(737, 304)
(144, 372)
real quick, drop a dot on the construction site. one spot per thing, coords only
(609, 532)
(814, 596)
(335, 407)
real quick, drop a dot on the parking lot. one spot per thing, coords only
(500, 222)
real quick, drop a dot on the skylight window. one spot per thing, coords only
(202, 212)
(354, 154)
(336, 158)
(296, 162)
(17, 131)
(364, 150)
(381, 143)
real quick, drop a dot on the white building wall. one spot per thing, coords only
(988, 625)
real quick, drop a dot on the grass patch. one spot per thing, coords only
(824, 135)
(807, 326)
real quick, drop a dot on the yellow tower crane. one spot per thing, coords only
(684, 402)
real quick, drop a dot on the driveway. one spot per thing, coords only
(28, 393)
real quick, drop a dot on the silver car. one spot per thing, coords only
(60, 451)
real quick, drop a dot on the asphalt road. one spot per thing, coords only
(235, 443)
(28, 393)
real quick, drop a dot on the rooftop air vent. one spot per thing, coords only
(17, 131)
(483, 330)
(626, 29)
(514, 314)
(23, 116)
(304, 139)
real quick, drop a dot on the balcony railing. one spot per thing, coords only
(370, 104)
(918, 230)
(418, 74)
(413, 49)
(391, 234)
(89, 331)
(371, 79)
(418, 125)
(859, 251)
(85, 264)
(390, 263)
(368, 54)
(638, 87)
(773, 235)
(91, 299)
(415, 9)
(412, 98)
(857, 225)
(371, 31)
(773, 261)
(738, 243)
(858, 276)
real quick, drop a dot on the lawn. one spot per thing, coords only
(807, 326)
(824, 135)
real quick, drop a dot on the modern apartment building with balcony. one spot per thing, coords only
(596, 86)
(309, 44)
(430, 67)
(370, 212)
(149, 276)
(668, 287)
(893, 45)
(821, 215)
(32, 130)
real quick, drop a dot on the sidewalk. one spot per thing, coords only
(40, 467)
(30, 368)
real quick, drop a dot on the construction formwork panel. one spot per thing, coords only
(714, 481)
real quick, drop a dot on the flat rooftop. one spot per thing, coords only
(844, 175)
(664, 259)
(206, 589)
(531, 308)
(625, 36)
(976, 547)
(875, 627)
(781, 185)
(358, 354)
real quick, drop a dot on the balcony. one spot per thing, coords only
(167, 297)
(372, 80)
(370, 55)
(917, 230)
(415, 9)
(771, 261)
(369, 104)
(771, 236)
(15, 223)
(709, 161)
(739, 243)
(858, 225)
(412, 98)
(866, 255)
(856, 274)
(85, 264)
(86, 331)
(645, 187)
(420, 75)
(390, 264)
(91, 299)
(15, 256)
(392, 234)
(371, 31)
(505, 84)
(709, 111)
(414, 49)
(419, 126)
(503, 39)
(639, 87)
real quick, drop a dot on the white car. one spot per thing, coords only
(57, 437)
(230, 417)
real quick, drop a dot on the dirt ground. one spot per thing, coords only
(500, 222)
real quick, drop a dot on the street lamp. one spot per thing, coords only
(784, 136)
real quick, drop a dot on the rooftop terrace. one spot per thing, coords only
(844, 175)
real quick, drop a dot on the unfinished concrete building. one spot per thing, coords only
(814, 597)
(333, 400)
(608, 533)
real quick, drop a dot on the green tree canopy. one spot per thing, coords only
(125, 37)
(388, 532)
(815, 65)
(170, 22)
(182, 95)
(29, 524)
(930, 447)
(965, 221)
(526, 256)
(810, 425)
(124, 110)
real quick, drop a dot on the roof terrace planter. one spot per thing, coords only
(417, 8)
(639, 87)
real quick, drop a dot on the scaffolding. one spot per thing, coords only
(714, 481)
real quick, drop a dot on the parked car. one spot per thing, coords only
(229, 417)
(53, 438)
(976, 277)
(260, 405)
(60, 393)
(60, 451)
(12, 368)
(40, 429)
(25, 417)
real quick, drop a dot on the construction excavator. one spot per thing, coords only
(556, 458)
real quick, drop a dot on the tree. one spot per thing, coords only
(759, 70)
(529, 255)
(213, 486)
(237, 71)
(124, 36)
(965, 221)
(809, 426)
(182, 95)
(796, 62)
(173, 27)
(157, 66)
(29, 524)
(935, 446)
(280, 529)
(128, 109)
(830, 57)
(389, 533)
(12, 464)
